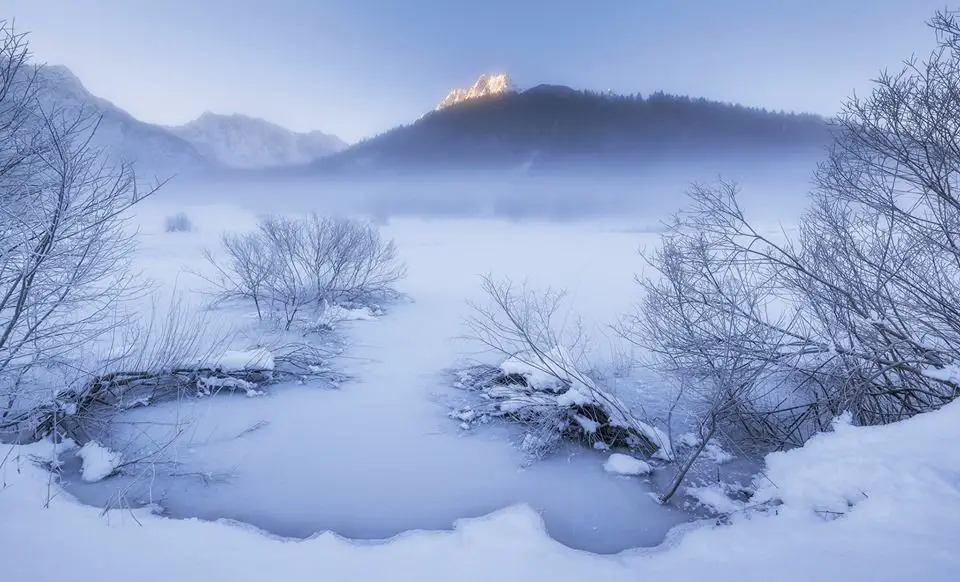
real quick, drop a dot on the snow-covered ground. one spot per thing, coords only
(378, 457)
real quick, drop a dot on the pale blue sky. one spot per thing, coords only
(359, 67)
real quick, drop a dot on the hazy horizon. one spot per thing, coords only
(355, 71)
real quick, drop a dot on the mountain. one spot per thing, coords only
(486, 86)
(119, 134)
(554, 127)
(211, 142)
(239, 141)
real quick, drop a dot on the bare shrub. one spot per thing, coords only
(64, 251)
(290, 264)
(178, 222)
(245, 272)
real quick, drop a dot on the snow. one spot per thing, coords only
(207, 385)
(242, 360)
(590, 426)
(659, 438)
(712, 450)
(380, 457)
(882, 467)
(714, 498)
(620, 464)
(716, 453)
(949, 373)
(688, 439)
(99, 462)
(538, 377)
(486, 85)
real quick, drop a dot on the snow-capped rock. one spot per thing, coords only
(239, 141)
(486, 86)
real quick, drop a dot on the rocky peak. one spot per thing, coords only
(486, 86)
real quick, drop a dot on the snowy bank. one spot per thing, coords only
(893, 493)
(556, 402)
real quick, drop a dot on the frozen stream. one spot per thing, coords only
(379, 456)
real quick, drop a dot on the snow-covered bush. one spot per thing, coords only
(542, 381)
(288, 265)
(178, 222)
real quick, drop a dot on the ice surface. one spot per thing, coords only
(903, 526)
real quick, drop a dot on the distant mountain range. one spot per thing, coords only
(210, 142)
(239, 141)
(492, 126)
(150, 147)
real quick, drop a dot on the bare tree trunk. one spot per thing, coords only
(685, 468)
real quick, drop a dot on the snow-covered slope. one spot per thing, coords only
(239, 141)
(486, 86)
(151, 148)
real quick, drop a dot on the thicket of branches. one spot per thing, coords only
(774, 335)
(64, 250)
(288, 265)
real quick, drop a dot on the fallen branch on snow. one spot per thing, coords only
(71, 412)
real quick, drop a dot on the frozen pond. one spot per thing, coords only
(379, 456)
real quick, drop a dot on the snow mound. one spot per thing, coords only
(241, 361)
(98, 462)
(536, 377)
(839, 470)
(554, 372)
(620, 464)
